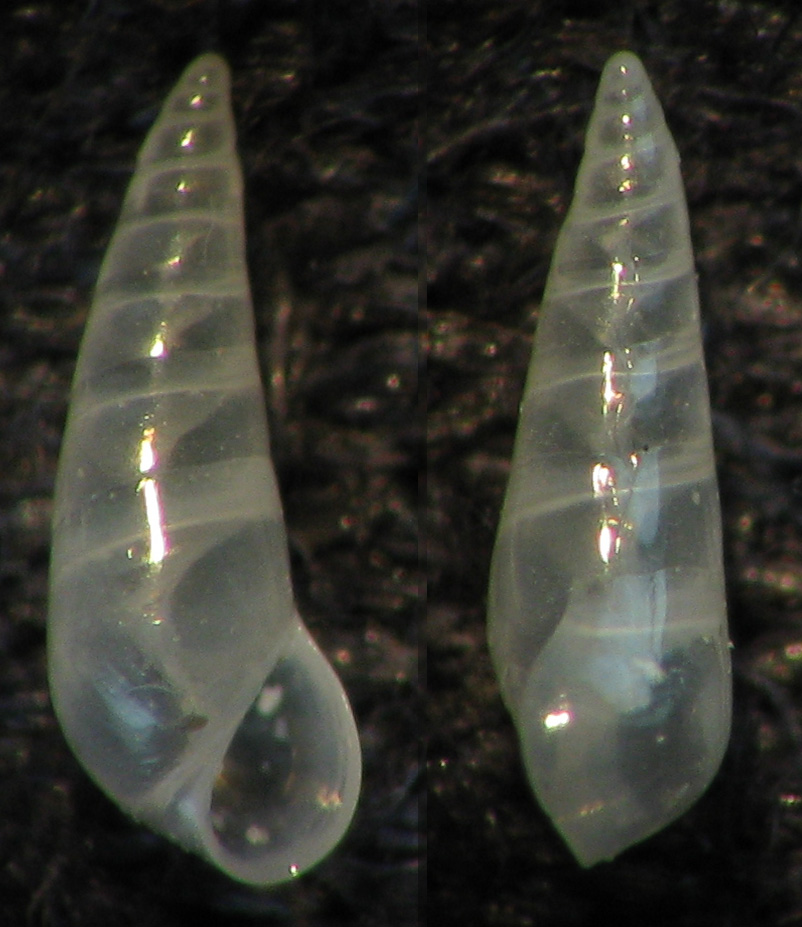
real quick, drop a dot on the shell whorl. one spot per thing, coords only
(181, 674)
(607, 613)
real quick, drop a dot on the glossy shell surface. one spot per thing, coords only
(607, 611)
(181, 674)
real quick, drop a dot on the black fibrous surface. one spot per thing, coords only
(510, 89)
(335, 130)
(326, 100)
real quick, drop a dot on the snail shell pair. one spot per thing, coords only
(181, 673)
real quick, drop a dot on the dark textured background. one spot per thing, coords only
(509, 94)
(326, 99)
(327, 103)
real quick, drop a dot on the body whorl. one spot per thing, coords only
(607, 611)
(182, 676)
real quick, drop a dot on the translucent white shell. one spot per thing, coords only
(182, 676)
(607, 611)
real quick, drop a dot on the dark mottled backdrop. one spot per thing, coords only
(327, 96)
(510, 86)
(326, 100)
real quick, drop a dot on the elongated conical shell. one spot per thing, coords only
(607, 611)
(181, 674)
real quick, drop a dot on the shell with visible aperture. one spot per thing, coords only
(181, 674)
